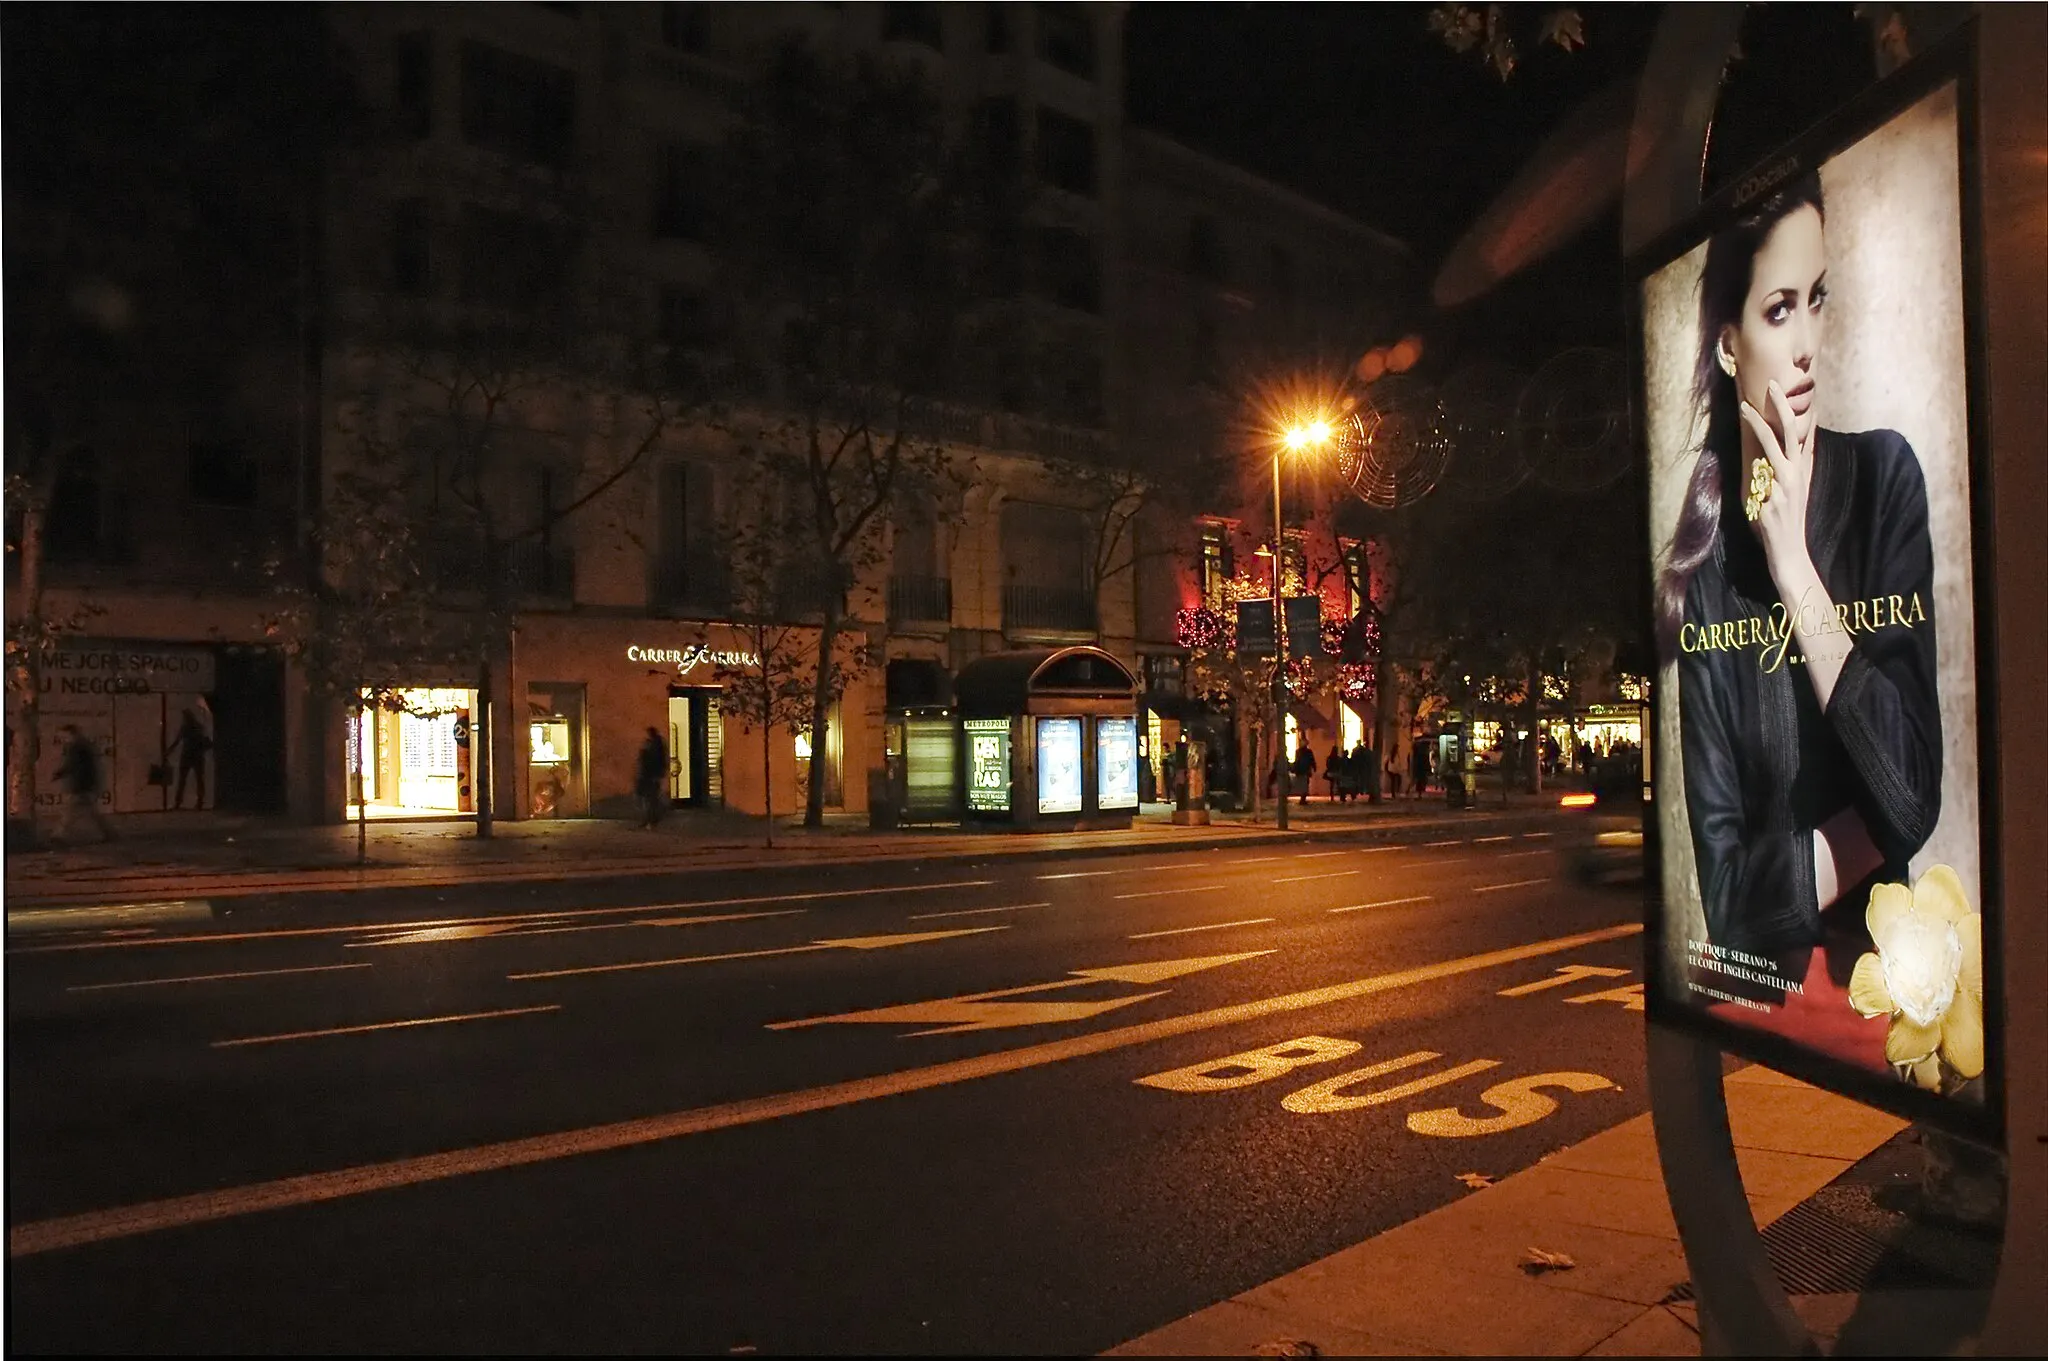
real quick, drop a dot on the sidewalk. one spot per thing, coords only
(1461, 1281)
(204, 855)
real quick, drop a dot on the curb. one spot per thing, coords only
(286, 881)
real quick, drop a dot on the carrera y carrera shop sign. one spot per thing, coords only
(687, 659)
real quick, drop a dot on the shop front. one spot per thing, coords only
(598, 690)
(1051, 739)
(412, 756)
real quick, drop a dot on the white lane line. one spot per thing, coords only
(843, 943)
(128, 1221)
(1162, 892)
(1384, 902)
(973, 911)
(1531, 836)
(1376, 850)
(211, 977)
(1514, 855)
(1454, 841)
(362, 928)
(488, 930)
(1320, 855)
(1076, 874)
(1483, 840)
(1212, 926)
(1518, 883)
(1255, 860)
(1304, 878)
(384, 1025)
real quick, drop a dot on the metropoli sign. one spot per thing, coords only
(688, 659)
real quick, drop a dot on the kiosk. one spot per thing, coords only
(1049, 739)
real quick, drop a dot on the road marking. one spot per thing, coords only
(979, 1010)
(1384, 902)
(1454, 841)
(1570, 973)
(1376, 850)
(1320, 855)
(1162, 892)
(383, 1025)
(1212, 926)
(1517, 883)
(127, 1221)
(1304, 878)
(211, 977)
(973, 911)
(1531, 836)
(1630, 995)
(1483, 840)
(74, 918)
(482, 930)
(1076, 874)
(1255, 860)
(843, 943)
(362, 927)
(1514, 855)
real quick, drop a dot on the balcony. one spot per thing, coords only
(1049, 610)
(692, 586)
(543, 570)
(920, 600)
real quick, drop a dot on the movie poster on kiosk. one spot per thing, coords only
(1806, 385)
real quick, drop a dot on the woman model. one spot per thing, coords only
(1797, 597)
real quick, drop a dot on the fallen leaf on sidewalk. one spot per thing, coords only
(1475, 1180)
(1287, 1346)
(1536, 1261)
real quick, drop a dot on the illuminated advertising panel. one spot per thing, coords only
(1059, 765)
(1116, 763)
(1806, 381)
(988, 764)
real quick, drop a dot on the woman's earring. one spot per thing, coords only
(1727, 365)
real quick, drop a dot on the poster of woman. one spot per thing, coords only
(1806, 387)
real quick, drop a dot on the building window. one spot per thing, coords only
(413, 80)
(1001, 135)
(1357, 582)
(685, 26)
(220, 472)
(912, 23)
(1205, 250)
(1215, 565)
(1077, 371)
(1069, 272)
(1066, 152)
(687, 571)
(411, 252)
(73, 524)
(510, 260)
(679, 200)
(996, 34)
(1066, 39)
(517, 106)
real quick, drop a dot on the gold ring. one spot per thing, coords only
(1762, 481)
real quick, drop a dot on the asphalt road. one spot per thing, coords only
(981, 1107)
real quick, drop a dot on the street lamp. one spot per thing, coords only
(1302, 435)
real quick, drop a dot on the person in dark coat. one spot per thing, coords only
(1305, 770)
(1419, 760)
(78, 771)
(192, 744)
(648, 778)
(1338, 776)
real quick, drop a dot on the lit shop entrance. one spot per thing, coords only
(414, 762)
(696, 747)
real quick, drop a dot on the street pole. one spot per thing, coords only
(1279, 656)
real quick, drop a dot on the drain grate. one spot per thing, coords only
(1815, 1253)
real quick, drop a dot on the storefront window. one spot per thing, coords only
(413, 760)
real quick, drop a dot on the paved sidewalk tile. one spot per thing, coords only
(1660, 1332)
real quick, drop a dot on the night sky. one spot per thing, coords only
(1362, 108)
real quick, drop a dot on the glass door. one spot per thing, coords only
(681, 787)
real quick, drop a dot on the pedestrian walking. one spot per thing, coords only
(1419, 760)
(193, 744)
(649, 777)
(1305, 770)
(78, 771)
(1336, 774)
(1393, 776)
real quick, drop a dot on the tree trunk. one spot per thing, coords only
(821, 711)
(1535, 703)
(355, 718)
(767, 774)
(480, 747)
(23, 762)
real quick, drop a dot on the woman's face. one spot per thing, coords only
(1780, 330)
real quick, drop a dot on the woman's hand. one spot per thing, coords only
(1781, 523)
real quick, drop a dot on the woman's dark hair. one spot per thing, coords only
(1724, 283)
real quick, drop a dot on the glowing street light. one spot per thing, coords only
(1301, 435)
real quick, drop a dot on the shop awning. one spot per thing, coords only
(1004, 683)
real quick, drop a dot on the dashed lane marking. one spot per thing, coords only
(1532, 836)
(98, 1226)
(1517, 883)
(1483, 840)
(1211, 926)
(1304, 878)
(1431, 845)
(974, 911)
(383, 1025)
(210, 977)
(1163, 892)
(1384, 902)
(362, 928)
(842, 943)
(487, 930)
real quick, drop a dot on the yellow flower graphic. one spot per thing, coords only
(1927, 974)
